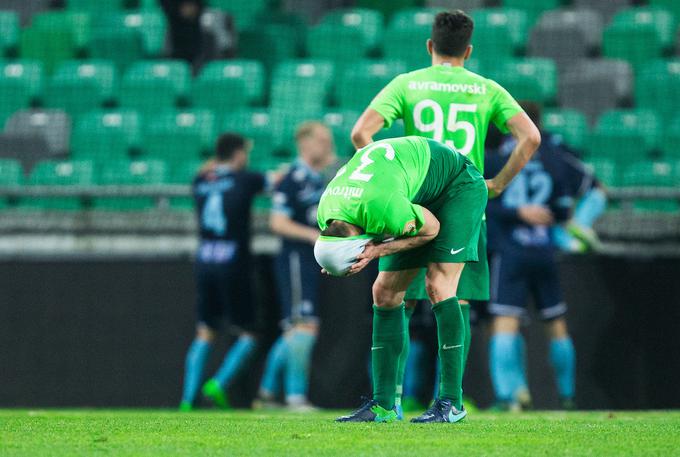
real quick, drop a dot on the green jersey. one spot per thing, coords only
(375, 189)
(448, 104)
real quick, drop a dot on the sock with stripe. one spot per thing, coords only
(404, 355)
(388, 342)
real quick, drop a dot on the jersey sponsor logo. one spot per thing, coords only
(345, 191)
(473, 89)
(456, 251)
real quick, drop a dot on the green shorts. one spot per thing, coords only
(460, 209)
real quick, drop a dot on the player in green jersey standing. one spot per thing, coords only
(452, 105)
(414, 203)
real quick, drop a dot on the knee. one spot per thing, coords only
(384, 296)
(437, 290)
(205, 333)
(557, 328)
(505, 324)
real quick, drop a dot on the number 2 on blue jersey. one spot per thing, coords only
(528, 188)
(212, 216)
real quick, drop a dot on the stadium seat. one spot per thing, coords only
(581, 29)
(11, 174)
(670, 142)
(106, 135)
(150, 25)
(499, 33)
(605, 170)
(406, 35)
(465, 5)
(54, 37)
(533, 8)
(528, 79)
(362, 81)
(607, 8)
(52, 125)
(20, 85)
(570, 124)
(9, 33)
(657, 86)
(302, 85)
(121, 46)
(639, 35)
(81, 86)
(26, 9)
(153, 86)
(341, 122)
(183, 173)
(59, 173)
(96, 6)
(229, 84)
(243, 11)
(269, 44)
(652, 174)
(593, 86)
(77, 23)
(255, 124)
(359, 30)
(625, 135)
(670, 5)
(179, 136)
(126, 173)
(387, 9)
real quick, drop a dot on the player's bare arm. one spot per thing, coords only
(528, 140)
(282, 225)
(367, 125)
(427, 233)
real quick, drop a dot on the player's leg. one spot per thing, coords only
(509, 293)
(208, 318)
(273, 372)
(578, 235)
(387, 343)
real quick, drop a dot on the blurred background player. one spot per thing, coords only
(294, 218)
(523, 263)
(223, 193)
(452, 105)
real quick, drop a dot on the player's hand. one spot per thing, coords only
(536, 215)
(494, 189)
(371, 251)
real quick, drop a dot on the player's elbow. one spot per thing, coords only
(276, 223)
(359, 137)
(533, 138)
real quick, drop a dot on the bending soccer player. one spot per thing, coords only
(414, 203)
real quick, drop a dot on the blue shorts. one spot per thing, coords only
(297, 276)
(516, 275)
(223, 286)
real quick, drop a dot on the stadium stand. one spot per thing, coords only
(233, 83)
(125, 173)
(54, 126)
(179, 136)
(500, 33)
(106, 135)
(153, 85)
(359, 82)
(20, 86)
(81, 86)
(406, 34)
(59, 173)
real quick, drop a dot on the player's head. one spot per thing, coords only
(451, 35)
(315, 144)
(233, 149)
(337, 248)
(533, 110)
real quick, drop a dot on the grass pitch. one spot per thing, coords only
(166, 433)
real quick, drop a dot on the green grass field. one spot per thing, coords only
(165, 433)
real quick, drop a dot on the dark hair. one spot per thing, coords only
(228, 144)
(339, 229)
(533, 110)
(451, 33)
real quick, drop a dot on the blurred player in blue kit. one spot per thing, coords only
(523, 262)
(293, 217)
(223, 192)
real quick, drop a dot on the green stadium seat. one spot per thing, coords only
(59, 173)
(51, 45)
(20, 85)
(179, 135)
(254, 124)
(406, 35)
(532, 79)
(570, 124)
(120, 45)
(126, 173)
(362, 81)
(150, 25)
(533, 8)
(153, 86)
(244, 11)
(625, 135)
(499, 33)
(607, 171)
(81, 86)
(672, 6)
(652, 174)
(78, 23)
(341, 122)
(387, 9)
(657, 86)
(302, 85)
(184, 173)
(639, 35)
(96, 6)
(229, 84)
(670, 142)
(359, 31)
(269, 44)
(106, 135)
(9, 32)
(11, 174)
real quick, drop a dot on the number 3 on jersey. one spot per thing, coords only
(358, 174)
(452, 125)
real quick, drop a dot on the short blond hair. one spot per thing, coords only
(306, 129)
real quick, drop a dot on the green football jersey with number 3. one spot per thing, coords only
(375, 189)
(448, 104)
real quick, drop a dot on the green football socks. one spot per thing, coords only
(451, 335)
(403, 357)
(465, 309)
(388, 343)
